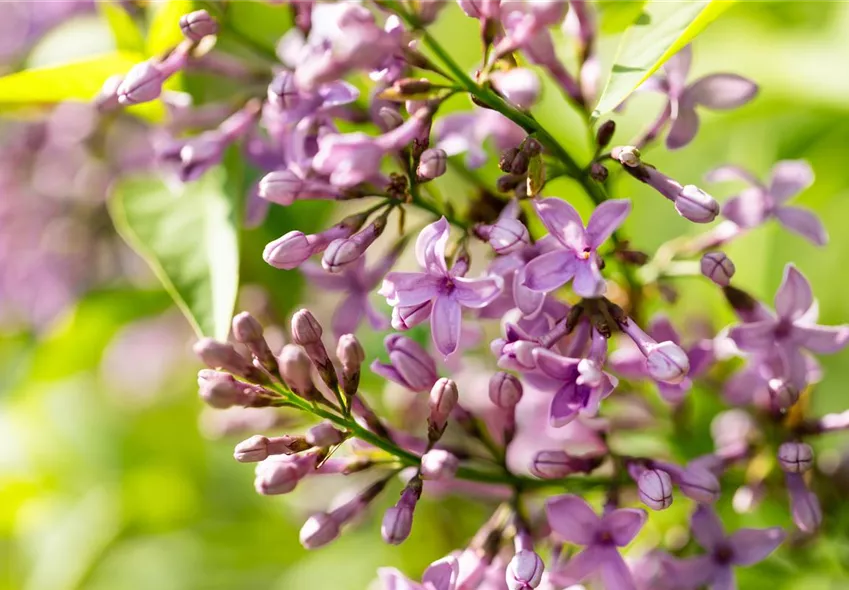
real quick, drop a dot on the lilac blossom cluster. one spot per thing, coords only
(573, 342)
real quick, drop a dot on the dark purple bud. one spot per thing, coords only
(505, 160)
(295, 368)
(795, 457)
(508, 182)
(531, 147)
(432, 164)
(718, 268)
(439, 464)
(520, 164)
(197, 25)
(605, 134)
(525, 570)
(696, 205)
(442, 401)
(143, 83)
(324, 435)
(412, 87)
(305, 328)
(398, 520)
(667, 362)
(505, 390)
(784, 394)
(655, 489)
(259, 448)
(319, 530)
(598, 172)
(627, 156)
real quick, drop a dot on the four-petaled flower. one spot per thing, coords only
(578, 258)
(440, 575)
(446, 288)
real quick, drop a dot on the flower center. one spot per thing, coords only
(447, 286)
(723, 554)
(585, 254)
(782, 330)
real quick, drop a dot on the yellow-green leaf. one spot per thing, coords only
(164, 33)
(617, 15)
(77, 80)
(126, 33)
(188, 234)
(660, 32)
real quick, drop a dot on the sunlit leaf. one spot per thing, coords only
(660, 32)
(259, 22)
(164, 33)
(78, 80)
(127, 35)
(188, 234)
(617, 15)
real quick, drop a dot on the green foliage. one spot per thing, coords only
(260, 22)
(128, 37)
(164, 31)
(188, 235)
(659, 32)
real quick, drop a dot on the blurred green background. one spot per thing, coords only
(113, 476)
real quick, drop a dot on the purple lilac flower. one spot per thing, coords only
(760, 202)
(715, 91)
(792, 330)
(446, 288)
(409, 364)
(467, 132)
(716, 569)
(440, 575)
(578, 258)
(574, 521)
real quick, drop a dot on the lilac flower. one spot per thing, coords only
(467, 132)
(520, 86)
(447, 289)
(578, 258)
(792, 330)
(715, 91)
(574, 521)
(804, 504)
(760, 202)
(440, 575)
(508, 234)
(409, 364)
(745, 547)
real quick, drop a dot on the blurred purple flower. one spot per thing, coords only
(467, 132)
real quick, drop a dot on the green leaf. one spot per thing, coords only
(127, 35)
(188, 234)
(260, 22)
(77, 80)
(617, 15)
(663, 29)
(164, 33)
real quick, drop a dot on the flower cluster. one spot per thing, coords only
(574, 344)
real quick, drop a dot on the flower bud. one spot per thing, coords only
(655, 489)
(519, 166)
(415, 366)
(282, 92)
(443, 399)
(305, 328)
(696, 205)
(525, 570)
(397, 524)
(804, 504)
(246, 328)
(107, 98)
(553, 464)
(143, 83)
(432, 164)
(784, 394)
(197, 25)
(795, 457)
(221, 355)
(410, 87)
(507, 235)
(627, 156)
(324, 435)
(281, 187)
(667, 362)
(295, 368)
(340, 253)
(605, 134)
(505, 390)
(390, 118)
(520, 86)
(718, 268)
(439, 464)
(289, 251)
(221, 390)
(598, 172)
(350, 353)
(699, 484)
(276, 476)
(405, 317)
(505, 159)
(319, 530)
(259, 448)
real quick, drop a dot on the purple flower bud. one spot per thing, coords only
(107, 99)
(697, 483)
(259, 448)
(324, 435)
(276, 476)
(551, 464)
(696, 205)
(345, 251)
(598, 172)
(319, 530)
(288, 251)
(667, 362)
(783, 393)
(795, 457)
(350, 352)
(283, 93)
(413, 364)
(221, 390)
(718, 267)
(284, 187)
(439, 464)
(655, 489)
(143, 83)
(443, 399)
(432, 164)
(397, 524)
(246, 328)
(519, 86)
(605, 133)
(804, 504)
(525, 570)
(505, 236)
(295, 368)
(221, 355)
(305, 328)
(505, 390)
(405, 317)
(390, 118)
(197, 25)
(627, 156)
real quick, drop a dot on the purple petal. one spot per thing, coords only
(588, 280)
(624, 524)
(550, 271)
(695, 570)
(477, 293)
(606, 218)
(821, 339)
(749, 209)
(563, 222)
(529, 302)
(802, 222)
(409, 288)
(430, 246)
(751, 546)
(754, 337)
(338, 93)
(442, 574)
(707, 528)
(572, 519)
(615, 574)
(677, 67)
(722, 91)
(565, 406)
(377, 320)
(661, 329)
(319, 277)
(445, 323)
(730, 173)
(794, 296)
(629, 362)
(789, 178)
(348, 315)
(392, 579)
(579, 567)
(723, 579)
(388, 371)
(684, 126)
(556, 366)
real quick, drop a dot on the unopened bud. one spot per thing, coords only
(397, 524)
(505, 390)
(259, 448)
(509, 182)
(221, 355)
(505, 160)
(289, 251)
(605, 134)
(795, 457)
(319, 530)
(350, 353)
(221, 390)
(655, 489)
(598, 172)
(143, 83)
(324, 435)
(107, 99)
(283, 93)
(390, 117)
(439, 464)
(698, 484)
(443, 399)
(295, 368)
(520, 164)
(667, 362)
(553, 464)
(246, 328)
(305, 328)
(783, 393)
(804, 504)
(696, 205)
(718, 268)
(627, 156)
(276, 476)
(432, 164)
(411, 87)
(197, 25)
(524, 572)
(505, 236)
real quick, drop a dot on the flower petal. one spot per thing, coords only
(550, 271)
(477, 293)
(387, 371)
(572, 519)
(624, 524)
(677, 67)
(445, 323)
(789, 178)
(556, 366)
(615, 574)
(684, 126)
(661, 329)
(722, 91)
(723, 579)
(377, 320)
(794, 296)
(529, 302)
(821, 339)
(753, 337)
(430, 246)
(588, 280)
(337, 93)
(562, 221)
(706, 527)
(442, 574)
(578, 568)
(348, 314)
(606, 218)
(803, 222)
(695, 570)
(565, 405)
(409, 288)
(748, 209)
(751, 546)
(319, 277)
(629, 362)
(730, 173)
(392, 579)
